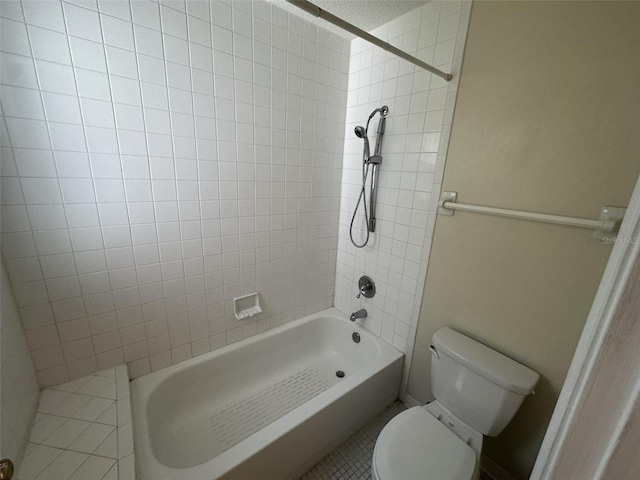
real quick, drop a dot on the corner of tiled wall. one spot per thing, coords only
(83, 430)
(414, 150)
(20, 390)
(159, 160)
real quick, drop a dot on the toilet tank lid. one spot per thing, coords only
(485, 361)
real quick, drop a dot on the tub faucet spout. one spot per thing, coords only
(362, 313)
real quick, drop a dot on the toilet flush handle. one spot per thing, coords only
(434, 352)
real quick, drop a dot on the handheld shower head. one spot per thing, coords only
(383, 111)
(361, 132)
(369, 163)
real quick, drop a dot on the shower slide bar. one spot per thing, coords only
(605, 228)
(338, 22)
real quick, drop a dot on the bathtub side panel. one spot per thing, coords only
(294, 453)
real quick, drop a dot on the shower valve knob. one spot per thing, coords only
(366, 287)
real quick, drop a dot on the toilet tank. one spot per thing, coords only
(482, 387)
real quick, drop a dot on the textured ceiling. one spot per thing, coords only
(365, 14)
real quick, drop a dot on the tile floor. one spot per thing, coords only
(352, 459)
(82, 431)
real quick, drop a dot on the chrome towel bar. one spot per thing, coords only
(605, 227)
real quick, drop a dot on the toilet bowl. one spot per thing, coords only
(416, 445)
(477, 392)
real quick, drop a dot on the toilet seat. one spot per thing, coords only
(416, 446)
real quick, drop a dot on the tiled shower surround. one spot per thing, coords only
(158, 160)
(413, 149)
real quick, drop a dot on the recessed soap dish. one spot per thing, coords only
(246, 306)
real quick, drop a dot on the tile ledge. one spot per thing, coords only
(111, 384)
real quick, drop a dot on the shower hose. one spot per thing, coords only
(363, 195)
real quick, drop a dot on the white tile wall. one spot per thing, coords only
(19, 391)
(414, 149)
(159, 160)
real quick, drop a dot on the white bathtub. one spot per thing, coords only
(267, 407)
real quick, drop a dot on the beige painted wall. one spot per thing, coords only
(547, 120)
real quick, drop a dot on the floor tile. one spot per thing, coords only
(126, 468)
(351, 460)
(77, 434)
(95, 468)
(50, 399)
(91, 438)
(36, 460)
(93, 409)
(109, 416)
(124, 413)
(66, 434)
(63, 466)
(112, 474)
(96, 386)
(108, 372)
(108, 448)
(73, 385)
(122, 385)
(44, 425)
(125, 441)
(30, 448)
(72, 404)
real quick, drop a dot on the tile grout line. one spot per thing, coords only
(96, 466)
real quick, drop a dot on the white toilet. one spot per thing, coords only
(477, 391)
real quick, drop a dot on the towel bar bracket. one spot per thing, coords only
(605, 228)
(611, 218)
(445, 197)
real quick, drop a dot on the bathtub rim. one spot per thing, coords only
(153, 379)
(143, 387)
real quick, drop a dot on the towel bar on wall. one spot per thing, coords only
(605, 228)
